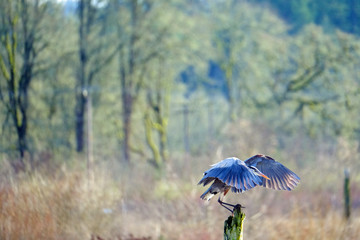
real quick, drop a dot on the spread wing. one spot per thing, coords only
(281, 178)
(232, 172)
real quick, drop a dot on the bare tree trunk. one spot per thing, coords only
(156, 161)
(90, 158)
(127, 101)
(81, 78)
(88, 68)
(24, 82)
(156, 119)
(22, 131)
(80, 120)
(20, 23)
(127, 84)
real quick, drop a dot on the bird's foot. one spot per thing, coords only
(237, 207)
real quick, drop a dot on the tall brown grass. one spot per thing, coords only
(70, 206)
(64, 207)
(117, 202)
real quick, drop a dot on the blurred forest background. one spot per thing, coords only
(111, 110)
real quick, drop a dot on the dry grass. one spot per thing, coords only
(131, 203)
(68, 206)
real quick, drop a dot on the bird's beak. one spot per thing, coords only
(264, 176)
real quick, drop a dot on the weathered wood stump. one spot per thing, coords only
(233, 226)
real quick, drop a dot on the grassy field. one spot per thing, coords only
(118, 203)
(114, 201)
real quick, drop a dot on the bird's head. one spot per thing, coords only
(258, 172)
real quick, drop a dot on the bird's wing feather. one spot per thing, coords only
(281, 178)
(232, 172)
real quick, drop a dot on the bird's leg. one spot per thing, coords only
(228, 204)
(224, 203)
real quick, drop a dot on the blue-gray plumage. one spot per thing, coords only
(239, 176)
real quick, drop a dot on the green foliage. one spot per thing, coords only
(305, 81)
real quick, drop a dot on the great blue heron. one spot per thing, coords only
(239, 176)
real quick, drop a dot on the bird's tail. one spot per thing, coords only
(207, 195)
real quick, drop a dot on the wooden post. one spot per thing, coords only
(233, 226)
(347, 204)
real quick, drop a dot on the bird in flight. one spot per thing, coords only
(240, 176)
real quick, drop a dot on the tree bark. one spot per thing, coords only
(80, 120)
(127, 82)
(127, 101)
(347, 199)
(81, 87)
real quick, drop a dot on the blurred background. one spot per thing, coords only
(111, 111)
